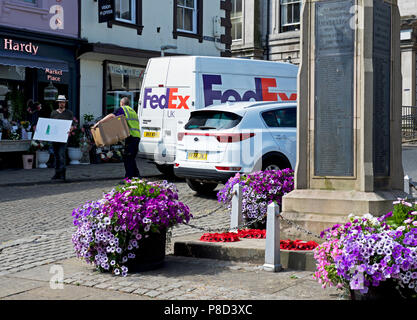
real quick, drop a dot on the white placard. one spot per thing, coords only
(53, 130)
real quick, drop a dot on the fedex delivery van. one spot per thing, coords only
(174, 86)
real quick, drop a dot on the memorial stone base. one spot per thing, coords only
(317, 210)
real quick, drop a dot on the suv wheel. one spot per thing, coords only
(273, 164)
(201, 187)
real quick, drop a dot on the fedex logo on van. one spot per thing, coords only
(261, 92)
(170, 100)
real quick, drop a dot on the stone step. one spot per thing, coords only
(245, 250)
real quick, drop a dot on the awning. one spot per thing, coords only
(18, 59)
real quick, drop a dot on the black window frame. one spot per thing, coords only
(287, 27)
(199, 33)
(139, 23)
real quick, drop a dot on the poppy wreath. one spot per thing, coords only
(257, 234)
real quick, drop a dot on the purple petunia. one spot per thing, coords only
(259, 190)
(107, 229)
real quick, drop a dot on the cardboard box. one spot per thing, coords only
(111, 132)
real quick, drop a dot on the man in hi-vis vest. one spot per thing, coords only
(131, 142)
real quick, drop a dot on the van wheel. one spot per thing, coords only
(201, 187)
(166, 169)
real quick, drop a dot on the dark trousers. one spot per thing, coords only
(60, 156)
(129, 157)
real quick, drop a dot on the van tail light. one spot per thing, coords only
(176, 165)
(233, 137)
(228, 168)
(180, 135)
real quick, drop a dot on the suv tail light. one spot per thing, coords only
(228, 168)
(221, 137)
(233, 137)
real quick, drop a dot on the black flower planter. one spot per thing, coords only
(151, 253)
(385, 291)
(260, 225)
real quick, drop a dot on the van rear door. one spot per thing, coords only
(152, 97)
(180, 85)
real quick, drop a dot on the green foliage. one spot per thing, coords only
(17, 99)
(400, 213)
(88, 117)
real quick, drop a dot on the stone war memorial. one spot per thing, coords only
(348, 115)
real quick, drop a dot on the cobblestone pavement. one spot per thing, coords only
(35, 233)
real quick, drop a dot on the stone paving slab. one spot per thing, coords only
(102, 171)
(180, 278)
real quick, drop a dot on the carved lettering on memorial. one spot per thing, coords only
(333, 138)
(382, 87)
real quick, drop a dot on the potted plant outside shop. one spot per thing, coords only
(125, 231)
(74, 143)
(25, 130)
(372, 258)
(41, 150)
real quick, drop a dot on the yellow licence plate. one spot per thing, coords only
(151, 134)
(197, 156)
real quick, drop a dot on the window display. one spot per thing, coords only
(122, 81)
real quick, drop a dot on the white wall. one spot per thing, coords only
(91, 88)
(156, 13)
(407, 7)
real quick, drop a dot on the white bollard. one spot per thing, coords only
(236, 217)
(272, 245)
(407, 186)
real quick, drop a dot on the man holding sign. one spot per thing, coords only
(60, 148)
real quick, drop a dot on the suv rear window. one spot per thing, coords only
(212, 120)
(285, 117)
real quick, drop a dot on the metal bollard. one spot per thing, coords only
(236, 217)
(272, 245)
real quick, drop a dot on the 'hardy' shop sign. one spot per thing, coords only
(106, 10)
(12, 45)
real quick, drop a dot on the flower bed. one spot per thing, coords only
(110, 230)
(367, 251)
(259, 190)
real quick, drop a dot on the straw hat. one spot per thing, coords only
(61, 97)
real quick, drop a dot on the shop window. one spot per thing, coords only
(236, 17)
(290, 15)
(121, 80)
(188, 19)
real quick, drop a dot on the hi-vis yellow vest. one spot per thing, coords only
(132, 121)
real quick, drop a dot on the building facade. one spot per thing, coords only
(408, 10)
(38, 49)
(270, 30)
(115, 52)
(266, 29)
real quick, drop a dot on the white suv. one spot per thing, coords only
(219, 141)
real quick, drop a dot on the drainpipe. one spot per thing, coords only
(268, 18)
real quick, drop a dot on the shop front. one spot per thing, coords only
(34, 69)
(121, 80)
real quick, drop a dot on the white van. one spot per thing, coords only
(175, 86)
